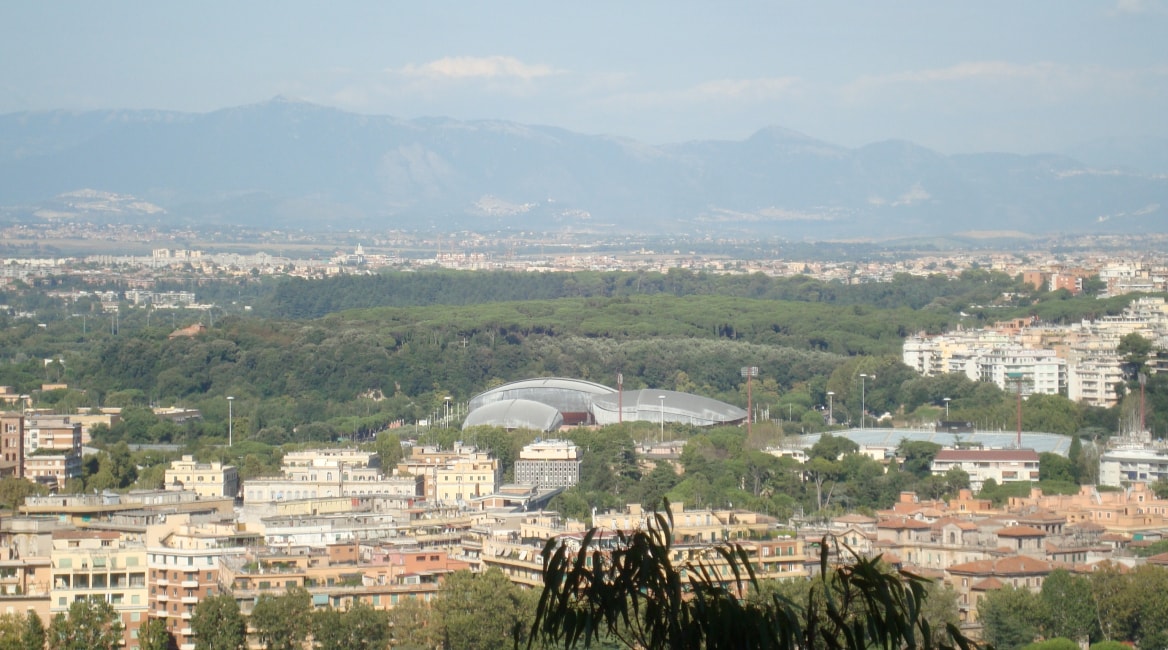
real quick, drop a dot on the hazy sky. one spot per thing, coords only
(956, 76)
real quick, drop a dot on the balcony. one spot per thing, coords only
(190, 600)
(162, 582)
(189, 584)
(162, 598)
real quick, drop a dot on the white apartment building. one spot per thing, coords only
(1126, 465)
(1002, 465)
(320, 473)
(1078, 358)
(348, 456)
(549, 463)
(258, 490)
(1041, 372)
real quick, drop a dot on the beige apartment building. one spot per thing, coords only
(691, 526)
(426, 461)
(51, 432)
(464, 479)
(204, 479)
(52, 469)
(183, 560)
(95, 564)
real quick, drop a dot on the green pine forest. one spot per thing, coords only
(364, 358)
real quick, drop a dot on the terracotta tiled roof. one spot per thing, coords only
(987, 584)
(901, 524)
(853, 518)
(1021, 564)
(1007, 566)
(963, 524)
(1021, 531)
(1160, 559)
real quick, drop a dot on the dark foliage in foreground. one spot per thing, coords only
(634, 594)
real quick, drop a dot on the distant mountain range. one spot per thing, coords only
(289, 164)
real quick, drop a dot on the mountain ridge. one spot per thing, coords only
(285, 162)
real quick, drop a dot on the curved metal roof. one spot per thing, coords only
(646, 405)
(565, 395)
(881, 437)
(515, 414)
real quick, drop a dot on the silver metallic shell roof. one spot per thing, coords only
(565, 395)
(516, 414)
(647, 406)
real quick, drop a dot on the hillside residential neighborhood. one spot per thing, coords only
(347, 529)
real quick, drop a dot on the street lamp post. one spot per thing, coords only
(946, 409)
(446, 409)
(230, 421)
(662, 436)
(830, 407)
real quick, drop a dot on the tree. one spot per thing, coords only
(1054, 467)
(90, 624)
(1011, 617)
(218, 624)
(1075, 455)
(13, 491)
(411, 626)
(940, 610)
(1134, 349)
(32, 637)
(1070, 607)
(820, 471)
(956, 479)
(832, 448)
(918, 456)
(481, 611)
(153, 635)
(1057, 643)
(358, 628)
(11, 626)
(283, 622)
(628, 589)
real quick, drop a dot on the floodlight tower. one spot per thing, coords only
(662, 436)
(748, 372)
(230, 420)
